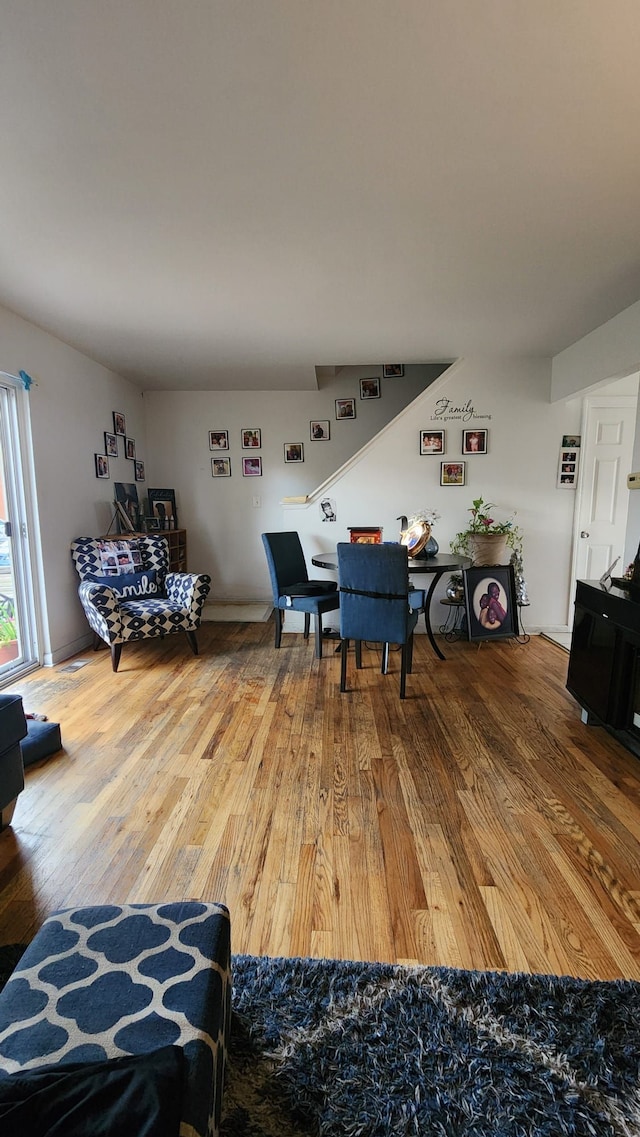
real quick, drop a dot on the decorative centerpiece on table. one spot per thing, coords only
(487, 541)
(416, 533)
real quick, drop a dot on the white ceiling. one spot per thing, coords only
(225, 193)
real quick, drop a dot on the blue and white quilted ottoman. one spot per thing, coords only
(112, 981)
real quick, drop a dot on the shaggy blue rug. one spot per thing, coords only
(340, 1049)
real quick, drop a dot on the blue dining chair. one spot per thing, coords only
(377, 604)
(292, 589)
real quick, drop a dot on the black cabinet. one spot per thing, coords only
(604, 664)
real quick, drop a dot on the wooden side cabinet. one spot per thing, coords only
(177, 539)
(604, 663)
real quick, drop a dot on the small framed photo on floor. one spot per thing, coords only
(490, 602)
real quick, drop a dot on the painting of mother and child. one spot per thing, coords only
(492, 610)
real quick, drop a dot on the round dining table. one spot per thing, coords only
(436, 567)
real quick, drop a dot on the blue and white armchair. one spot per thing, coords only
(150, 601)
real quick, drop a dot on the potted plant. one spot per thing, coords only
(8, 639)
(485, 541)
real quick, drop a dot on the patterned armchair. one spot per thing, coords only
(128, 593)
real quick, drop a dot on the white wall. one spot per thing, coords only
(223, 525)
(608, 352)
(388, 478)
(71, 405)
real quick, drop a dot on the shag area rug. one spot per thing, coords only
(323, 1048)
(336, 1049)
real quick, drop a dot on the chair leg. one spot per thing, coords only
(193, 643)
(307, 624)
(278, 616)
(410, 655)
(116, 650)
(384, 667)
(318, 633)
(359, 654)
(403, 669)
(344, 648)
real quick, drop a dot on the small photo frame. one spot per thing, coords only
(130, 448)
(218, 439)
(293, 452)
(392, 370)
(110, 444)
(119, 426)
(432, 441)
(139, 469)
(152, 524)
(452, 473)
(568, 460)
(490, 601)
(571, 441)
(162, 504)
(345, 408)
(370, 388)
(220, 467)
(102, 466)
(251, 438)
(252, 467)
(320, 431)
(474, 441)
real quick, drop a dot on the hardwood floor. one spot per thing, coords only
(479, 824)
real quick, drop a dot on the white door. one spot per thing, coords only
(609, 425)
(18, 637)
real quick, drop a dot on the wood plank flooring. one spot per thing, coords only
(479, 824)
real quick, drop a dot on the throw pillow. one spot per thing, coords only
(131, 585)
(121, 556)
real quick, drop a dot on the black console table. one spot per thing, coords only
(604, 664)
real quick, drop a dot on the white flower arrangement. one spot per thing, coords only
(429, 516)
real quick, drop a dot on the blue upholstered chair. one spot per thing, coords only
(151, 601)
(292, 589)
(377, 603)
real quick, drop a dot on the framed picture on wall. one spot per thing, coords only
(110, 444)
(102, 466)
(432, 441)
(119, 426)
(252, 467)
(130, 448)
(392, 370)
(474, 441)
(345, 408)
(218, 439)
(319, 431)
(293, 452)
(452, 473)
(220, 467)
(370, 388)
(491, 602)
(139, 468)
(251, 438)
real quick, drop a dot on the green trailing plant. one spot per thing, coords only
(482, 522)
(7, 631)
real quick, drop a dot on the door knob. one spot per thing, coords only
(584, 533)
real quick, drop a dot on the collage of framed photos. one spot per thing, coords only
(111, 449)
(473, 441)
(568, 461)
